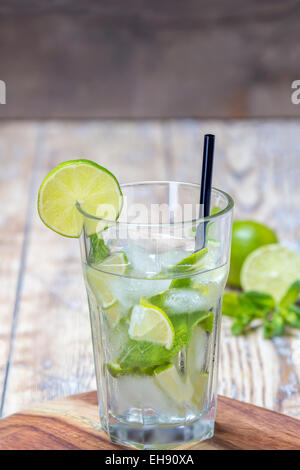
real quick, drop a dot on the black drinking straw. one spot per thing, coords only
(205, 191)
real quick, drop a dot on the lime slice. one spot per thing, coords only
(99, 283)
(83, 181)
(191, 262)
(197, 354)
(113, 314)
(206, 258)
(172, 384)
(116, 370)
(201, 260)
(270, 269)
(116, 263)
(150, 323)
(200, 382)
(247, 236)
(99, 287)
(197, 351)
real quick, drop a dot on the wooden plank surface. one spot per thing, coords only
(73, 423)
(18, 149)
(149, 59)
(44, 329)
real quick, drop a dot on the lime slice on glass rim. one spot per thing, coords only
(77, 181)
(150, 323)
(270, 269)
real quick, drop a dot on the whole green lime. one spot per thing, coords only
(247, 236)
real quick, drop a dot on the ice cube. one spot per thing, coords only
(128, 291)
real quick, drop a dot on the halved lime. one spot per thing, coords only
(270, 269)
(173, 384)
(83, 181)
(247, 236)
(150, 323)
(99, 281)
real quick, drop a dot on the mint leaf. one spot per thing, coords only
(274, 326)
(259, 300)
(294, 308)
(141, 354)
(239, 326)
(98, 250)
(291, 296)
(116, 370)
(252, 305)
(245, 308)
(291, 316)
(207, 323)
(230, 306)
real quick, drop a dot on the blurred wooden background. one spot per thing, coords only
(91, 60)
(149, 58)
(45, 343)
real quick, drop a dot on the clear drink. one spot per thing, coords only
(155, 309)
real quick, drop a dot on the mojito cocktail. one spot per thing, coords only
(155, 307)
(155, 272)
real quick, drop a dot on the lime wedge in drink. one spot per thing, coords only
(113, 314)
(207, 262)
(116, 370)
(169, 380)
(78, 181)
(99, 287)
(98, 280)
(204, 259)
(270, 269)
(191, 262)
(200, 382)
(143, 354)
(150, 323)
(116, 263)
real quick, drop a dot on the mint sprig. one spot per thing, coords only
(98, 250)
(261, 308)
(143, 354)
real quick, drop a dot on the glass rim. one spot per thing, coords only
(212, 217)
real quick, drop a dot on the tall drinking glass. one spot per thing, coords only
(155, 309)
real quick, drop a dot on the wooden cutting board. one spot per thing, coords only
(72, 423)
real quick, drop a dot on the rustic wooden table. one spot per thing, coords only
(45, 347)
